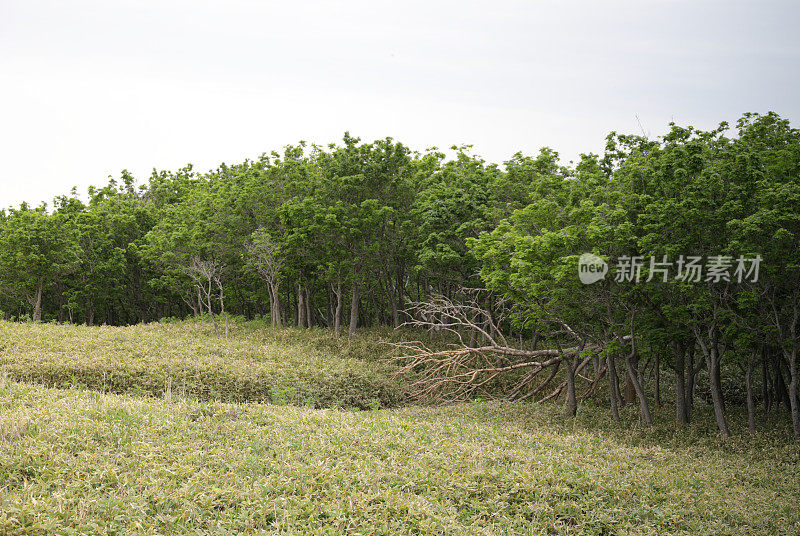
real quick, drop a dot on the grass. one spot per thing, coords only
(186, 359)
(206, 456)
(83, 462)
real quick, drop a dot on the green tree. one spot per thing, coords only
(35, 251)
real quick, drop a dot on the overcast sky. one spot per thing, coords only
(88, 88)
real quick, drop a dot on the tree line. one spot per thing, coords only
(360, 234)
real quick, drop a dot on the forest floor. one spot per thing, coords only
(82, 457)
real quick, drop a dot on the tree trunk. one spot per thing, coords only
(681, 407)
(766, 397)
(712, 362)
(630, 390)
(353, 311)
(37, 305)
(213, 320)
(309, 317)
(222, 308)
(751, 406)
(657, 391)
(192, 305)
(534, 339)
(718, 374)
(597, 367)
(301, 307)
(691, 382)
(572, 404)
(791, 356)
(781, 392)
(613, 387)
(272, 318)
(633, 376)
(286, 307)
(277, 321)
(337, 315)
(794, 407)
(393, 305)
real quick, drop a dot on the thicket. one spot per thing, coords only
(356, 234)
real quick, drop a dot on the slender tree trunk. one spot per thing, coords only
(681, 408)
(372, 318)
(286, 307)
(272, 319)
(597, 367)
(630, 389)
(613, 384)
(309, 317)
(791, 356)
(713, 362)
(766, 397)
(776, 382)
(793, 403)
(781, 392)
(766, 393)
(751, 406)
(329, 306)
(301, 307)
(337, 315)
(213, 321)
(633, 376)
(657, 372)
(276, 305)
(37, 305)
(692, 372)
(222, 309)
(211, 312)
(353, 311)
(572, 404)
(393, 305)
(718, 374)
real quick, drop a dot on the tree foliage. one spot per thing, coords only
(360, 234)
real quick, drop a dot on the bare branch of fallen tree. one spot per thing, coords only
(460, 370)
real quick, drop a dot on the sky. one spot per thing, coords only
(89, 88)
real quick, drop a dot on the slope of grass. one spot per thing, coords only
(185, 358)
(83, 462)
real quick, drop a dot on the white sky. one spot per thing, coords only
(88, 88)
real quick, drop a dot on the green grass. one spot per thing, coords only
(83, 452)
(185, 358)
(75, 461)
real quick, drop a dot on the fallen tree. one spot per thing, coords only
(479, 354)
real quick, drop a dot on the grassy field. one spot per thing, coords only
(83, 461)
(185, 358)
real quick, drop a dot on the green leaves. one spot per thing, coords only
(37, 249)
